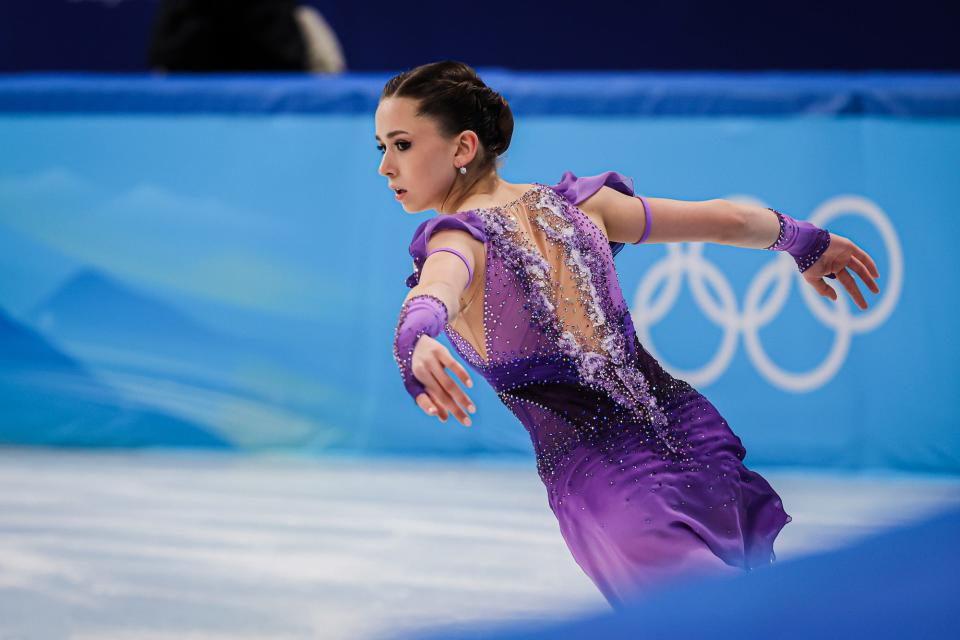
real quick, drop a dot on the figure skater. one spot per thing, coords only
(645, 477)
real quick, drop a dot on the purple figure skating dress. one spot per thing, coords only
(645, 477)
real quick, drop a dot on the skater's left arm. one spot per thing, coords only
(624, 218)
(726, 222)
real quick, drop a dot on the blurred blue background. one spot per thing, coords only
(210, 259)
(215, 262)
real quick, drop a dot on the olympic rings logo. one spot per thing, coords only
(687, 259)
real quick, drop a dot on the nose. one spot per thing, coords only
(386, 168)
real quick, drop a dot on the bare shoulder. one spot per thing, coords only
(596, 206)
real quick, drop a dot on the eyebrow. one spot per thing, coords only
(394, 133)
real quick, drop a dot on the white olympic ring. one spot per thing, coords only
(647, 312)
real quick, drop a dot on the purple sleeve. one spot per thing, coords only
(467, 221)
(576, 190)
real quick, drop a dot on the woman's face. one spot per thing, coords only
(415, 156)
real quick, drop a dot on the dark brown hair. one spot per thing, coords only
(457, 99)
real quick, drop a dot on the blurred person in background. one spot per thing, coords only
(243, 35)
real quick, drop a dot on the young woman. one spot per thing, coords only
(645, 477)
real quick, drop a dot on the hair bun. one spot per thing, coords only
(504, 120)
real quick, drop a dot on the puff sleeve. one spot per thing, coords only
(467, 221)
(576, 190)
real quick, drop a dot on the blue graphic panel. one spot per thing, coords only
(198, 279)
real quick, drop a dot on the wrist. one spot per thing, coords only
(423, 314)
(803, 240)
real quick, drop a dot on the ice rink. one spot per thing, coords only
(167, 544)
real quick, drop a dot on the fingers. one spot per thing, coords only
(851, 285)
(442, 394)
(861, 270)
(434, 405)
(424, 402)
(823, 288)
(846, 279)
(430, 404)
(846, 255)
(442, 391)
(450, 362)
(458, 394)
(865, 258)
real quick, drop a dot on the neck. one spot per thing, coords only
(473, 194)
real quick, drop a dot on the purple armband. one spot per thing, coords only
(421, 314)
(803, 240)
(462, 257)
(646, 217)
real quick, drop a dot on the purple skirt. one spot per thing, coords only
(635, 521)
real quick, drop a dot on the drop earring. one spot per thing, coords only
(463, 170)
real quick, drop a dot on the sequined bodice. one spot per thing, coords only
(643, 473)
(550, 329)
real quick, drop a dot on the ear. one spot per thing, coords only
(468, 145)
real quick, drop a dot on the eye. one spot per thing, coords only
(383, 149)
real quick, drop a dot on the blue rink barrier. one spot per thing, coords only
(910, 95)
(897, 584)
(215, 262)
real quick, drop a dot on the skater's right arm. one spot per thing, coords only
(444, 275)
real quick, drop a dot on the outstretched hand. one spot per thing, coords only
(443, 396)
(842, 254)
